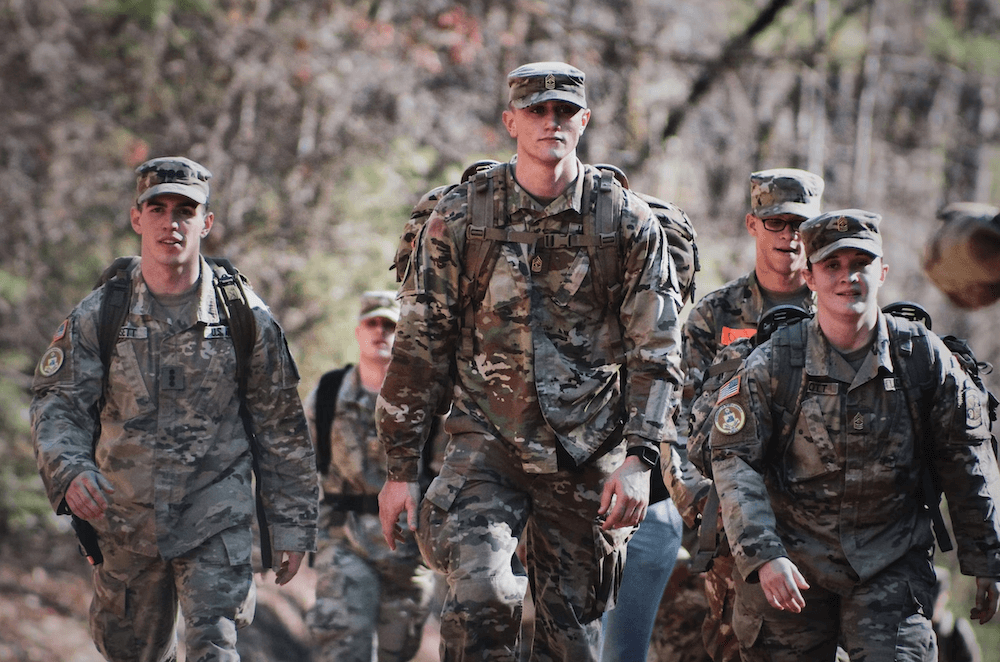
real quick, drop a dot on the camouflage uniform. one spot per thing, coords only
(849, 515)
(363, 588)
(534, 406)
(173, 445)
(719, 319)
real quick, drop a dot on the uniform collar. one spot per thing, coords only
(570, 198)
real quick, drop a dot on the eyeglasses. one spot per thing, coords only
(779, 224)
(379, 323)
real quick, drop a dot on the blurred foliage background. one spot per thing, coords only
(324, 121)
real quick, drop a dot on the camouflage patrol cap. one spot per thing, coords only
(977, 211)
(379, 303)
(845, 228)
(543, 81)
(785, 191)
(172, 174)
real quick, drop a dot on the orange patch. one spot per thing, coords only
(730, 336)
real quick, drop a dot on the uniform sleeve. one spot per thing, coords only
(966, 466)
(651, 329)
(698, 350)
(425, 344)
(287, 459)
(741, 425)
(67, 385)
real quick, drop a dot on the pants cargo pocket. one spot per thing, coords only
(434, 545)
(609, 557)
(110, 622)
(748, 612)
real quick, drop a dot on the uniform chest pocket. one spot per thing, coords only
(210, 381)
(811, 453)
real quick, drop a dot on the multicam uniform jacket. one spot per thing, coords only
(543, 368)
(172, 442)
(357, 467)
(850, 507)
(720, 318)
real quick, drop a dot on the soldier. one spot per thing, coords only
(817, 452)
(560, 399)
(780, 200)
(363, 589)
(167, 484)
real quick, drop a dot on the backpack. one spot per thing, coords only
(603, 196)
(230, 292)
(908, 326)
(325, 412)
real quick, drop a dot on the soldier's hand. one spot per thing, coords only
(290, 564)
(86, 495)
(626, 495)
(781, 580)
(987, 599)
(395, 497)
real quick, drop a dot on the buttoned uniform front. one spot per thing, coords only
(537, 398)
(172, 443)
(849, 515)
(363, 587)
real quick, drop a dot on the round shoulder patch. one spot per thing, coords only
(51, 361)
(730, 418)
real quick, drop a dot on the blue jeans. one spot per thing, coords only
(652, 551)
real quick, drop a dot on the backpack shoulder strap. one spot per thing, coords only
(233, 303)
(911, 358)
(788, 357)
(117, 283)
(325, 412)
(604, 221)
(481, 247)
(231, 296)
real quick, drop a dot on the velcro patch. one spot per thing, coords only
(51, 361)
(729, 389)
(729, 336)
(216, 331)
(133, 333)
(61, 331)
(730, 418)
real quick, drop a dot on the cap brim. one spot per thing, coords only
(549, 95)
(869, 246)
(192, 192)
(802, 209)
(387, 313)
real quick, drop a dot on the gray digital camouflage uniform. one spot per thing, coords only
(850, 517)
(174, 447)
(720, 318)
(363, 587)
(532, 409)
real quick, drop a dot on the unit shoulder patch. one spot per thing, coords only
(51, 361)
(730, 418)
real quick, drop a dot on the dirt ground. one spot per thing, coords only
(45, 594)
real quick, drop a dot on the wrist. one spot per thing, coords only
(647, 455)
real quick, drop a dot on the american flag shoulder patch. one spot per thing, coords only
(729, 389)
